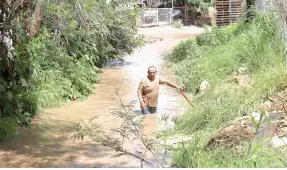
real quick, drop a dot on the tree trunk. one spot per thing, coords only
(6, 43)
(36, 18)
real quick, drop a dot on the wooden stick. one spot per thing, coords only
(186, 98)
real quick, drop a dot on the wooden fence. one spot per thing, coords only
(228, 11)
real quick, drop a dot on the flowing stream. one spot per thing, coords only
(48, 143)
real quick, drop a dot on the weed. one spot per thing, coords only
(257, 46)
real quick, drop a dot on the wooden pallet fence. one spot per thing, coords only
(228, 11)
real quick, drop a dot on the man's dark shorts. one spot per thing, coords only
(149, 110)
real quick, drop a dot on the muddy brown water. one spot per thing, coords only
(48, 142)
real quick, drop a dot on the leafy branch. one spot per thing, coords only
(131, 130)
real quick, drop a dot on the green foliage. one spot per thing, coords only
(176, 25)
(202, 4)
(213, 68)
(61, 62)
(259, 47)
(262, 45)
(7, 128)
(187, 48)
(250, 47)
(130, 132)
(218, 36)
(217, 107)
(270, 80)
(194, 155)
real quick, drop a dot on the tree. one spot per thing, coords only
(50, 50)
(6, 58)
(202, 4)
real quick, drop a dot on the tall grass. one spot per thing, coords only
(259, 47)
(197, 156)
(8, 128)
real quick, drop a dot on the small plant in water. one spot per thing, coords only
(131, 131)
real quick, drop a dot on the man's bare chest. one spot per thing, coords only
(152, 86)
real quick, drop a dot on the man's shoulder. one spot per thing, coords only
(160, 78)
(145, 79)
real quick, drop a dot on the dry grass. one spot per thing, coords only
(234, 134)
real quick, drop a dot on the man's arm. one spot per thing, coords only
(170, 84)
(140, 91)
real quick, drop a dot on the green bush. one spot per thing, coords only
(217, 36)
(188, 48)
(61, 61)
(8, 128)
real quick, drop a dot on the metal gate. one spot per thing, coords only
(156, 16)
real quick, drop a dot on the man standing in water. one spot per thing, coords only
(148, 90)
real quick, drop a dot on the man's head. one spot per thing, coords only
(151, 72)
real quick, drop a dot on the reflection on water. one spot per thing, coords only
(116, 62)
(48, 142)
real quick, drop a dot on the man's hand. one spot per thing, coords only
(180, 89)
(142, 105)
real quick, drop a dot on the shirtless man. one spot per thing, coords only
(148, 90)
